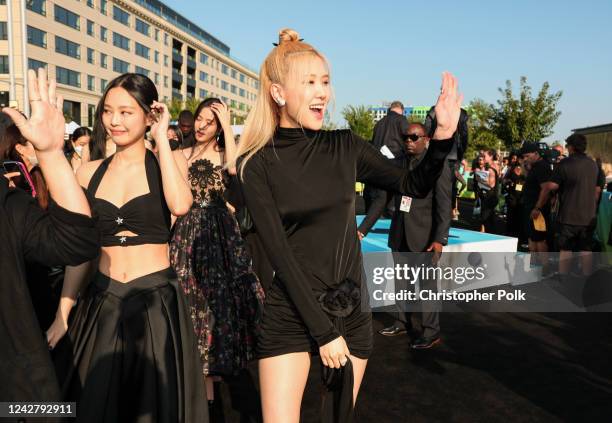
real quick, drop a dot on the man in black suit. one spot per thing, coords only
(419, 225)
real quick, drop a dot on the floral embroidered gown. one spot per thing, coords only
(224, 296)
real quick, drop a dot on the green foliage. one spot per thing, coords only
(360, 120)
(481, 136)
(175, 106)
(328, 124)
(192, 103)
(415, 119)
(525, 118)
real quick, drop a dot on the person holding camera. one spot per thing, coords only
(63, 234)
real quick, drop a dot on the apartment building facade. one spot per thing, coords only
(85, 44)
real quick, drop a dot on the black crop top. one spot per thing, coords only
(146, 215)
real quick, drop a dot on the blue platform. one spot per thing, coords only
(376, 241)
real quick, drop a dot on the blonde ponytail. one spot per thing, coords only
(263, 119)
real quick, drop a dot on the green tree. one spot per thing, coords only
(525, 118)
(175, 106)
(328, 124)
(192, 103)
(360, 120)
(480, 123)
(415, 119)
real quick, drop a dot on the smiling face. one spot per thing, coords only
(205, 125)
(306, 92)
(123, 118)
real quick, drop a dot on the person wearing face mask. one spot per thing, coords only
(78, 147)
(314, 306)
(209, 255)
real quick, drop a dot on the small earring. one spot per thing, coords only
(280, 102)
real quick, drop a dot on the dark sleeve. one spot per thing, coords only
(403, 126)
(54, 237)
(544, 174)
(373, 168)
(376, 209)
(601, 178)
(558, 174)
(268, 224)
(442, 205)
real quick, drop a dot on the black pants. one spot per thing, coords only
(429, 310)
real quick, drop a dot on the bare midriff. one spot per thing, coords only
(125, 264)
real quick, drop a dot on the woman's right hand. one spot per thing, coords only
(335, 353)
(56, 331)
(46, 126)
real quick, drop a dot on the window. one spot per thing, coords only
(234, 73)
(142, 71)
(103, 60)
(156, 80)
(203, 58)
(224, 69)
(90, 3)
(103, 33)
(121, 41)
(242, 77)
(35, 64)
(103, 4)
(66, 17)
(165, 81)
(165, 39)
(66, 47)
(37, 37)
(241, 92)
(233, 89)
(156, 34)
(203, 76)
(156, 56)
(38, 6)
(165, 60)
(121, 16)
(142, 50)
(3, 31)
(120, 66)
(103, 84)
(203, 94)
(90, 28)
(91, 114)
(90, 56)
(224, 85)
(142, 27)
(4, 64)
(91, 83)
(68, 77)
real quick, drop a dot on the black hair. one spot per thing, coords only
(207, 103)
(140, 87)
(83, 131)
(578, 142)
(186, 117)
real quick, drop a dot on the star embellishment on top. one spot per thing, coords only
(119, 220)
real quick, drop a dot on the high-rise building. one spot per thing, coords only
(417, 112)
(85, 44)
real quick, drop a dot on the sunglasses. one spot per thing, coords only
(414, 137)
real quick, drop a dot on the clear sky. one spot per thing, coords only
(386, 50)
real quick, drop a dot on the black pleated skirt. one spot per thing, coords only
(130, 354)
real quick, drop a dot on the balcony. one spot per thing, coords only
(191, 82)
(177, 56)
(191, 63)
(176, 94)
(176, 76)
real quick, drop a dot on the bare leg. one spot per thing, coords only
(359, 366)
(586, 260)
(565, 261)
(282, 380)
(210, 388)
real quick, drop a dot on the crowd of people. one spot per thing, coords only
(158, 260)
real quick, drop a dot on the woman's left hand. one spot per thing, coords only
(222, 112)
(159, 128)
(448, 108)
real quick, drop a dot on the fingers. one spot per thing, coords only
(15, 116)
(43, 87)
(59, 102)
(52, 95)
(33, 86)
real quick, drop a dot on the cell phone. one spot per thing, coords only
(11, 166)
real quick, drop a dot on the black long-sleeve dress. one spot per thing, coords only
(300, 191)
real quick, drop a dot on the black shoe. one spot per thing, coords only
(392, 331)
(424, 343)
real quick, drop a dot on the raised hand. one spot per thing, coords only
(222, 112)
(159, 128)
(448, 108)
(46, 126)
